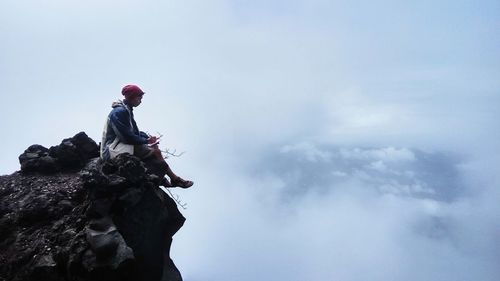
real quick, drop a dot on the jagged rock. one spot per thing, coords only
(109, 251)
(103, 237)
(116, 182)
(36, 159)
(86, 146)
(147, 232)
(75, 152)
(66, 154)
(109, 221)
(130, 168)
(72, 153)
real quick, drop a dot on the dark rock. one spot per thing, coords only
(75, 152)
(32, 210)
(45, 269)
(92, 176)
(103, 239)
(103, 224)
(99, 207)
(109, 168)
(87, 147)
(66, 154)
(107, 221)
(119, 268)
(71, 154)
(65, 206)
(131, 168)
(139, 227)
(36, 159)
(117, 183)
(130, 197)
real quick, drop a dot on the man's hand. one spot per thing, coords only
(152, 140)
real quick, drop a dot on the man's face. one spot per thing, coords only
(135, 100)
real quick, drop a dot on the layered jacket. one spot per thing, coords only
(120, 126)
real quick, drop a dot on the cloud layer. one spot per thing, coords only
(328, 140)
(344, 213)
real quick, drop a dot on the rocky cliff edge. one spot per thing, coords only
(68, 216)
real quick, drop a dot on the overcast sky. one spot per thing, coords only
(328, 140)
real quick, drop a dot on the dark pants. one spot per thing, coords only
(152, 158)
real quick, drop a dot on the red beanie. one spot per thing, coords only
(131, 91)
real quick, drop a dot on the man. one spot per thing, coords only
(121, 135)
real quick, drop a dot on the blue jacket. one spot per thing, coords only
(121, 124)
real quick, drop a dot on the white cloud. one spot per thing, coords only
(326, 142)
(309, 151)
(389, 154)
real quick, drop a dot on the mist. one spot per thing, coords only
(328, 140)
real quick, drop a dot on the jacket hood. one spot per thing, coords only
(118, 103)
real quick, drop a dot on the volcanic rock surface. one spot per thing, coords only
(69, 216)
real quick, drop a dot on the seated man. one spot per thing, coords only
(121, 135)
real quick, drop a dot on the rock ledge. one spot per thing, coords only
(68, 216)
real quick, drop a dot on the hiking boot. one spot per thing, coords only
(180, 182)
